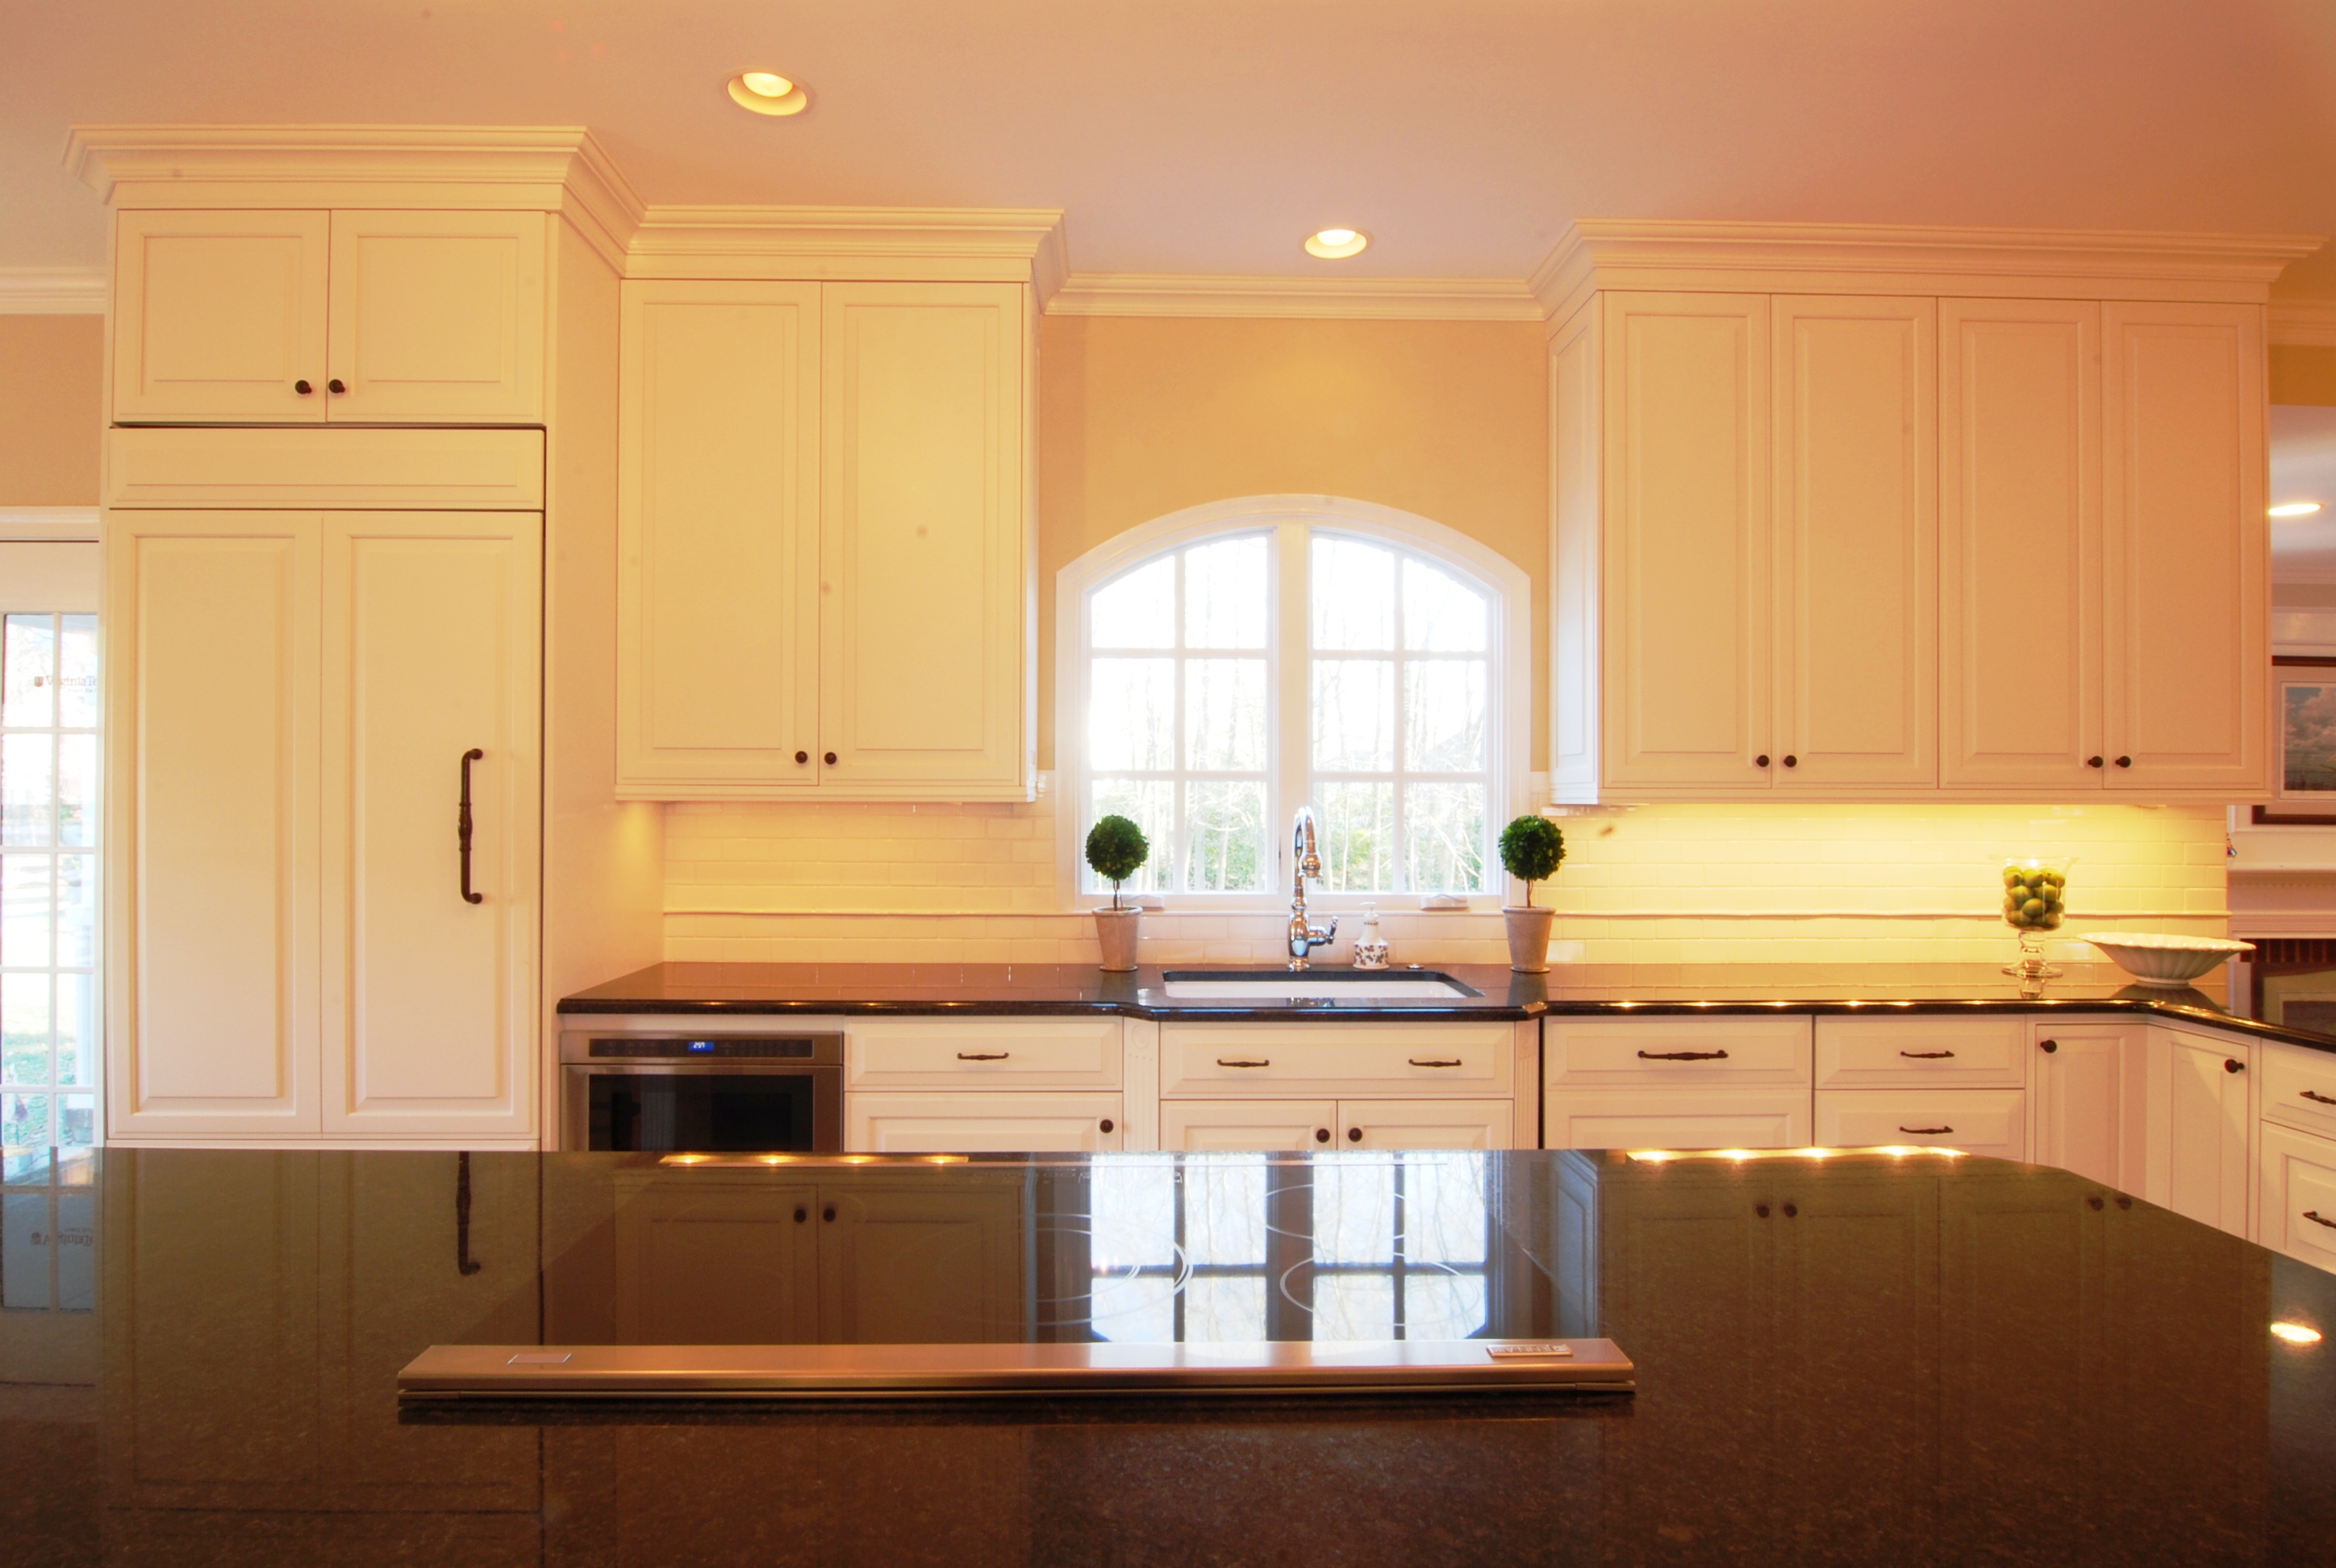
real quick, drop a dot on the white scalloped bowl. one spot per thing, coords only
(2163, 960)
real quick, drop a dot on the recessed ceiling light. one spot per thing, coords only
(2296, 508)
(1336, 244)
(2296, 1333)
(768, 93)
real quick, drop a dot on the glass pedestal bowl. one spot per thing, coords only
(2035, 894)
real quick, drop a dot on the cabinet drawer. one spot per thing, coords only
(1413, 1060)
(477, 470)
(1722, 1118)
(1964, 1053)
(2299, 1087)
(979, 1052)
(2298, 1196)
(1992, 1122)
(990, 1124)
(1676, 1051)
(1247, 1126)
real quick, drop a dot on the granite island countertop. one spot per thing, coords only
(943, 990)
(1857, 1360)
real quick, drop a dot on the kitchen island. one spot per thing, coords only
(1849, 1358)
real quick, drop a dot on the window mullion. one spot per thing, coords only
(1292, 766)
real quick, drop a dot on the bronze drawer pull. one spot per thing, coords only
(1434, 1062)
(1238, 1062)
(1925, 1055)
(1683, 1056)
(1926, 1131)
(462, 827)
(2313, 1216)
(983, 1055)
(2315, 1095)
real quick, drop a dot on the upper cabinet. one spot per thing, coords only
(824, 573)
(294, 318)
(2000, 543)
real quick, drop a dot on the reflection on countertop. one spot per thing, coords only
(1566, 990)
(1858, 1358)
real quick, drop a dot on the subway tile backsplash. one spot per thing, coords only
(1658, 884)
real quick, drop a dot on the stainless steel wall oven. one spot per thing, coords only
(708, 1093)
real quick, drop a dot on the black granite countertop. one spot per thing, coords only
(1857, 1360)
(1567, 991)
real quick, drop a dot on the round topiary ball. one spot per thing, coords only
(1116, 849)
(1531, 848)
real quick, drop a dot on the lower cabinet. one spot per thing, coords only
(1193, 1127)
(985, 1123)
(2296, 1195)
(1702, 1118)
(2086, 1100)
(1992, 1122)
(2195, 1142)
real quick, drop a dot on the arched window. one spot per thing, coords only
(1224, 665)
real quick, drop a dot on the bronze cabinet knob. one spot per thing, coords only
(1761, 1210)
(1106, 1123)
(828, 1212)
(2092, 762)
(336, 385)
(1321, 1135)
(1353, 1135)
(1792, 762)
(829, 758)
(2048, 1046)
(802, 1213)
(1760, 761)
(2125, 762)
(303, 388)
(802, 757)
(2233, 1065)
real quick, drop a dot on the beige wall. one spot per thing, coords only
(1143, 416)
(2302, 374)
(52, 373)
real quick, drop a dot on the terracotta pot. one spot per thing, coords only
(1115, 930)
(1528, 937)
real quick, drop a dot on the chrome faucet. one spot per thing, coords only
(1305, 938)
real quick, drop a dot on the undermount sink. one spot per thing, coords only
(1315, 985)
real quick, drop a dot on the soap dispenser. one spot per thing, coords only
(1371, 947)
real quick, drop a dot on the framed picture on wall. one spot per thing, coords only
(2304, 709)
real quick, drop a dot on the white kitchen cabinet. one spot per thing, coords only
(1855, 544)
(2086, 1100)
(1714, 1117)
(2296, 1172)
(1320, 1127)
(1921, 1052)
(1667, 1052)
(717, 528)
(2185, 547)
(430, 698)
(2299, 1087)
(280, 316)
(1397, 1060)
(2195, 1147)
(295, 954)
(1991, 1122)
(955, 1056)
(983, 1123)
(2020, 581)
(826, 555)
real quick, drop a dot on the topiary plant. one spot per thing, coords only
(1531, 848)
(1117, 848)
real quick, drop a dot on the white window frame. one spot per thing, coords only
(1291, 520)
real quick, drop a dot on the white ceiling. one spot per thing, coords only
(1209, 135)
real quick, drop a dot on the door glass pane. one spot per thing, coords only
(1137, 610)
(76, 911)
(28, 670)
(25, 910)
(27, 790)
(25, 1029)
(76, 788)
(77, 673)
(76, 1025)
(25, 1120)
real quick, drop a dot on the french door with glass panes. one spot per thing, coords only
(49, 844)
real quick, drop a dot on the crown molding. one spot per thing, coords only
(1903, 258)
(1334, 298)
(524, 167)
(910, 244)
(2303, 323)
(51, 291)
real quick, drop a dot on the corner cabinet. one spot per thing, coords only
(1875, 547)
(824, 542)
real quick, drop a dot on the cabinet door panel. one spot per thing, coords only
(1686, 595)
(923, 539)
(922, 1264)
(1425, 1124)
(717, 595)
(437, 318)
(2197, 1153)
(1856, 543)
(2188, 600)
(730, 1260)
(217, 315)
(431, 650)
(211, 623)
(2020, 543)
(1713, 1117)
(983, 1123)
(2087, 1094)
(1204, 1127)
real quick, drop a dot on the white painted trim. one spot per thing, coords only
(2302, 323)
(61, 524)
(911, 244)
(1511, 650)
(1908, 258)
(51, 291)
(1330, 299)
